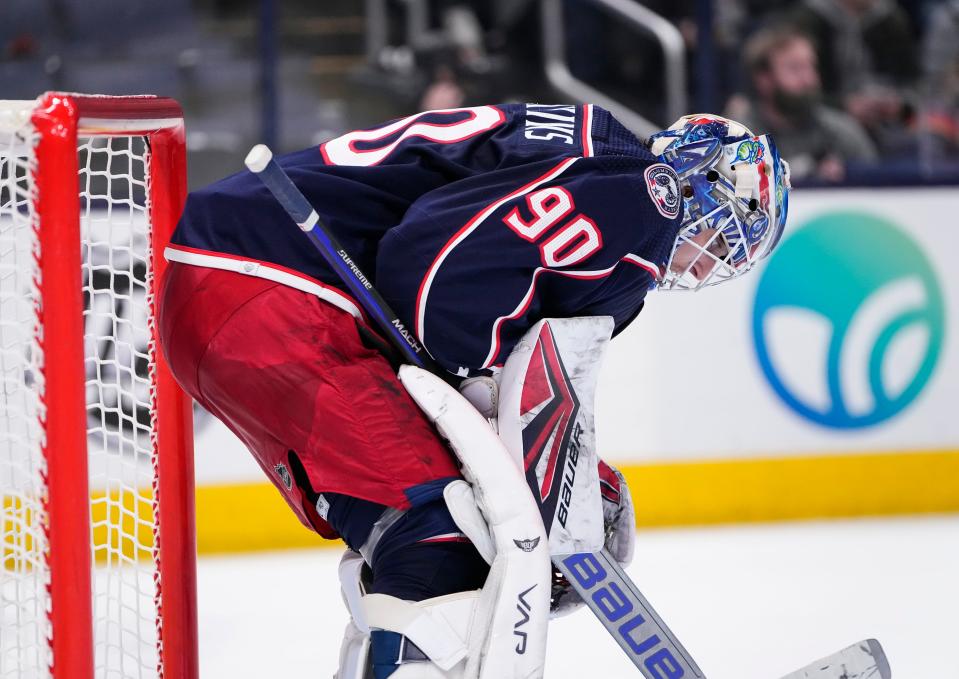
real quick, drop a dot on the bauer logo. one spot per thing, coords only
(624, 616)
(848, 321)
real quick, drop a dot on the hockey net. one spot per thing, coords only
(98, 546)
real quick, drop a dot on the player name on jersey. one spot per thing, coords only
(551, 123)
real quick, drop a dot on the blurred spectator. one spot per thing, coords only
(466, 52)
(463, 31)
(860, 43)
(461, 50)
(869, 61)
(443, 91)
(786, 102)
(625, 63)
(940, 63)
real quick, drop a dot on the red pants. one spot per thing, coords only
(289, 374)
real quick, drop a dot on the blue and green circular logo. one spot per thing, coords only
(848, 320)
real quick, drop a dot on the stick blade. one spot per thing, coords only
(862, 660)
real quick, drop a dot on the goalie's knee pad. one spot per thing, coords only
(421, 640)
(391, 638)
(382, 653)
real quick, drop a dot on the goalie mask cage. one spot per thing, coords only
(96, 476)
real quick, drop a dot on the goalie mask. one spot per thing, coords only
(735, 191)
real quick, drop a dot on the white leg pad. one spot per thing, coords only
(354, 654)
(461, 501)
(440, 627)
(351, 587)
(514, 601)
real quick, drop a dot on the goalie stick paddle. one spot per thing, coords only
(260, 161)
(608, 592)
(626, 614)
(862, 660)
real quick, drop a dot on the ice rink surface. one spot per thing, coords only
(749, 602)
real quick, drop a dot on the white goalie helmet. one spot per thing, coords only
(735, 190)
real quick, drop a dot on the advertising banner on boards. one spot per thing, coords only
(843, 341)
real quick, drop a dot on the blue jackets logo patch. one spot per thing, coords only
(663, 186)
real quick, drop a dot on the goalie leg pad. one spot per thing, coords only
(354, 653)
(461, 501)
(514, 601)
(440, 628)
(386, 633)
(410, 640)
(355, 647)
(395, 656)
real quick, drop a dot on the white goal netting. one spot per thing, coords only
(115, 272)
(24, 624)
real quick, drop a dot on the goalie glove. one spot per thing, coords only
(619, 518)
(619, 524)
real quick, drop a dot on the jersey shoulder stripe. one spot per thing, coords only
(587, 132)
(653, 270)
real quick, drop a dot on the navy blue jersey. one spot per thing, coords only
(473, 223)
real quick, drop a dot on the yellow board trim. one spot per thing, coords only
(254, 517)
(736, 491)
(248, 517)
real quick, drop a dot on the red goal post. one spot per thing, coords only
(96, 454)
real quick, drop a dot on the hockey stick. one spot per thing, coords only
(616, 601)
(260, 162)
(638, 636)
(596, 576)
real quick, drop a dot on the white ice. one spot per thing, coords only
(749, 602)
